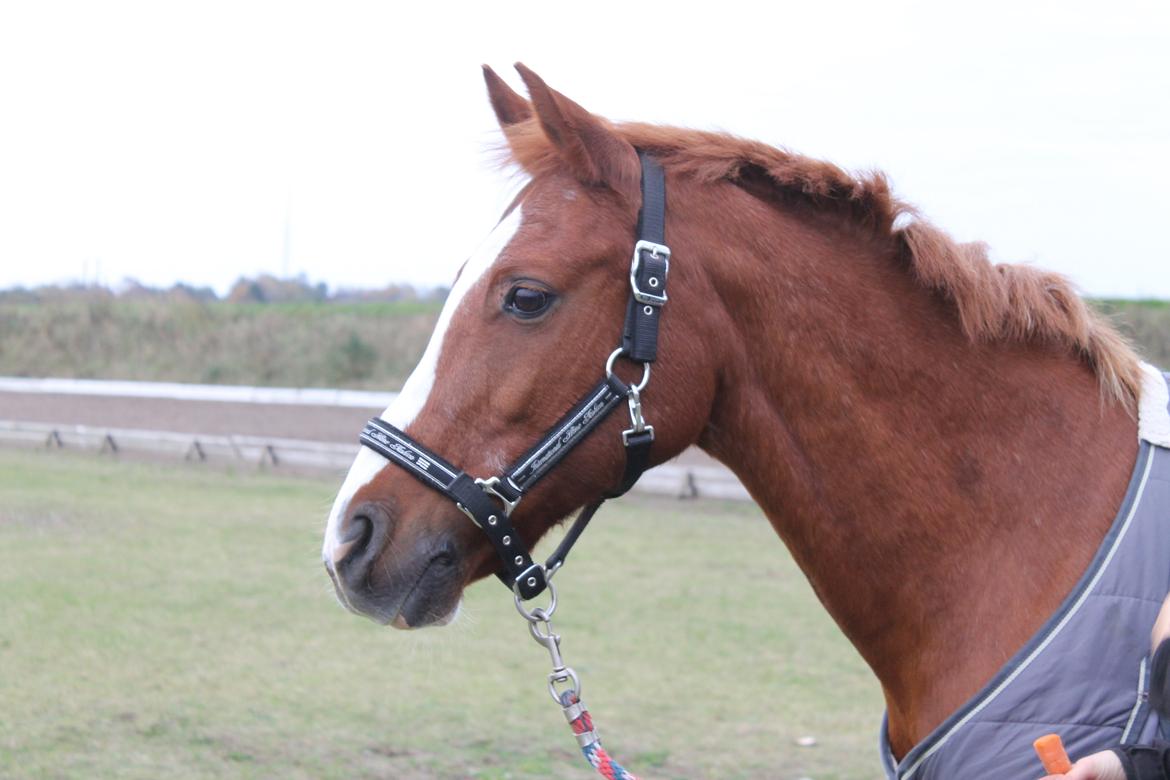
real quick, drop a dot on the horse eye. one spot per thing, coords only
(527, 302)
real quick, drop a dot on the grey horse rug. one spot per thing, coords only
(1083, 675)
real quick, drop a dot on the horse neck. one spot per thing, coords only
(941, 496)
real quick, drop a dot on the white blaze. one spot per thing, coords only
(417, 389)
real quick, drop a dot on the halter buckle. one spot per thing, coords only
(658, 251)
(637, 421)
(631, 432)
(489, 486)
(470, 515)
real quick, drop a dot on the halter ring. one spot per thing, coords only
(545, 613)
(645, 369)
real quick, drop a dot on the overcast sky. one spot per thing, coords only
(175, 141)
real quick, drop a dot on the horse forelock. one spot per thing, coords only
(993, 301)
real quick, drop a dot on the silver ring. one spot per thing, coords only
(545, 612)
(645, 369)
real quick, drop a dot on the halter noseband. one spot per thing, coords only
(474, 497)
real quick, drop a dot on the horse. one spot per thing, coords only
(945, 445)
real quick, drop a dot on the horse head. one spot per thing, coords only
(527, 329)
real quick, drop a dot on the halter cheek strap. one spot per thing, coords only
(489, 502)
(648, 269)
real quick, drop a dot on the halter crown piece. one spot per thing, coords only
(489, 502)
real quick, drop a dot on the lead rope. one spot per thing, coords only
(540, 626)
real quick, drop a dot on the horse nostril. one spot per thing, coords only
(357, 534)
(362, 536)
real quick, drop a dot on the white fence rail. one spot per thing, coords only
(310, 396)
(671, 479)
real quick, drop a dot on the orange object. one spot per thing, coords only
(1052, 755)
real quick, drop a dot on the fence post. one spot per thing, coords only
(268, 456)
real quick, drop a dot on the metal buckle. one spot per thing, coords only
(657, 250)
(470, 516)
(489, 486)
(637, 421)
(627, 434)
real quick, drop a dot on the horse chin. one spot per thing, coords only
(433, 599)
(403, 624)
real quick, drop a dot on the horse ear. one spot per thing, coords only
(509, 106)
(593, 151)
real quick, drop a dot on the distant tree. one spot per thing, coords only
(132, 288)
(187, 292)
(18, 295)
(246, 291)
(391, 293)
(264, 288)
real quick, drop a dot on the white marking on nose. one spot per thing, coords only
(404, 408)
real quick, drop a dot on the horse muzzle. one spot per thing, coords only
(393, 581)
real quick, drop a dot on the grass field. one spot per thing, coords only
(359, 345)
(169, 622)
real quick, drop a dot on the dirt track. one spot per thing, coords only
(317, 423)
(287, 421)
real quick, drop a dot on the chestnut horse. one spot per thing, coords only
(934, 437)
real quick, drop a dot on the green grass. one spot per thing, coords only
(160, 621)
(301, 344)
(365, 345)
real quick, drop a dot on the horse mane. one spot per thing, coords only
(995, 302)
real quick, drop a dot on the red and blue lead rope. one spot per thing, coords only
(582, 725)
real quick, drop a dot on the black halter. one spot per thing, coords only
(474, 497)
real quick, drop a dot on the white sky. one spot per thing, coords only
(165, 141)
